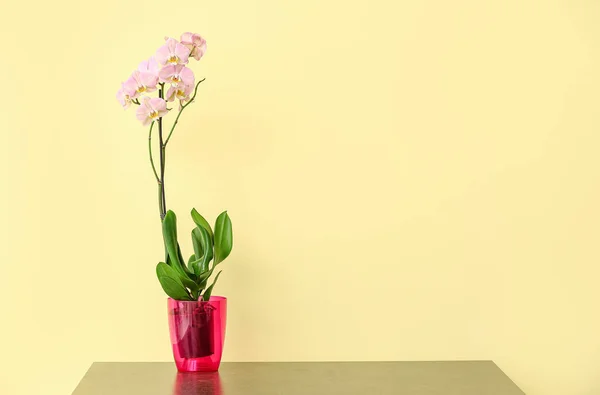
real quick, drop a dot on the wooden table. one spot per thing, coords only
(295, 378)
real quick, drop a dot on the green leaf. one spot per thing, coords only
(189, 283)
(171, 283)
(169, 228)
(223, 237)
(201, 240)
(195, 264)
(191, 261)
(188, 274)
(201, 222)
(174, 289)
(197, 243)
(204, 276)
(185, 280)
(208, 291)
(180, 256)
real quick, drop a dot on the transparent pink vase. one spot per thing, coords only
(197, 333)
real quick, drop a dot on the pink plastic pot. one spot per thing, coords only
(197, 333)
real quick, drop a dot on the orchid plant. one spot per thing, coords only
(162, 81)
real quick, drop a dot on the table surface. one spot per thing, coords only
(295, 378)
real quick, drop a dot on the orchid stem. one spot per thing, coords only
(163, 201)
(150, 153)
(160, 203)
(181, 110)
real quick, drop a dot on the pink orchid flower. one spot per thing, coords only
(125, 96)
(176, 74)
(195, 43)
(141, 82)
(180, 92)
(173, 52)
(151, 109)
(149, 66)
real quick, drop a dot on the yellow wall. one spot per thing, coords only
(408, 180)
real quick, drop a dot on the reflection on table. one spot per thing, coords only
(199, 383)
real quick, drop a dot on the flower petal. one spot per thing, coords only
(186, 38)
(171, 43)
(200, 49)
(162, 54)
(148, 79)
(187, 76)
(171, 93)
(145, 102)
(123, 98)
(153, 65)
(158, 104)
(130, 87)
(166, 72)
(143, 66)
(149, 66)
(142, 114)
(182, 53)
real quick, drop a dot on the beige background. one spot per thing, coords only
(408, 180)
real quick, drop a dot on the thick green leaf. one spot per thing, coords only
(223, 237)
(189, 283)
(180, 256)
(204, 276)
(174, 289)
(202, 279)
(188, 274)
(171, 283)
(202, 285)
(194, 264)
(209, 290)
(184, 280)
(197, 243)
(201, 240)
(169, 228)
(162, 269)
(187, 279)
(201, 222)
(191, 261)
